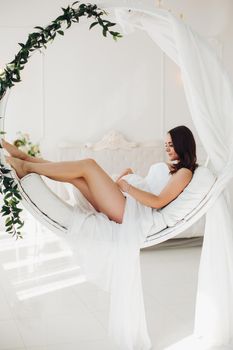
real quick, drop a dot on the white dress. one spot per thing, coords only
(156, 179)
(108, 254)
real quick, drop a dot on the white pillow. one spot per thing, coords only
(191, 196)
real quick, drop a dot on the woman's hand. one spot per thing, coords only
(125, 172)
(123, 185)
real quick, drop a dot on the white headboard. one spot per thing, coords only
(114, 153)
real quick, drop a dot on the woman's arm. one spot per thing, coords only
(175, 186)
(125, 172)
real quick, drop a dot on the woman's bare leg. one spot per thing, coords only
(106, 194)
(82, 186)
(80, 183)
(17, 153)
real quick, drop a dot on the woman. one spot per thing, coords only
(107, 251)
(101, 191)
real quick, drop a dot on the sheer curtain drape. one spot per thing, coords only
(209, 94)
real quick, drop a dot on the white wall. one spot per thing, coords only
(86, 84)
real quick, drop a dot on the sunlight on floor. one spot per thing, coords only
(50, 287)
(47, 275)
(36, 240)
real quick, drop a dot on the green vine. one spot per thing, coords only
(11, 75)
(40, 39)
(11, 199)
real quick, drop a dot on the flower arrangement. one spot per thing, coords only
(24, 144)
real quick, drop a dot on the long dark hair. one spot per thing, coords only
(185, 146)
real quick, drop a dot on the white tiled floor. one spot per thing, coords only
(45, 304)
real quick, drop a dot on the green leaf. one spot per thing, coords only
(5, 171)
(60, 32)
(7, 220)
(93, 24)
(8, 223)
(110, 24)
(38, 27)
(22, 45)
(82, 6)
(6, 213)
(68, 24)
(4, 207)
(20, 226)
(100, 21)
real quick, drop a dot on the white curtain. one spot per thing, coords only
(209, 94)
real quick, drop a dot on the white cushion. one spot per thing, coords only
(46, 200)
(189, 199)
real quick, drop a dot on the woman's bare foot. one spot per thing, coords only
(19, 166)
(13, 150)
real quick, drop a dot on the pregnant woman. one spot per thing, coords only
(102, 192)
(106, 238)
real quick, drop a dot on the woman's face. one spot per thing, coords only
(172, 155)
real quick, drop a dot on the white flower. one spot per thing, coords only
(35, 148)
(24, 148)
